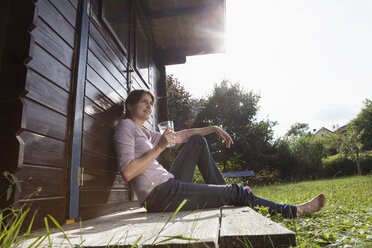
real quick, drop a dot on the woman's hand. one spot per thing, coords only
(168, 137)
(225, 136)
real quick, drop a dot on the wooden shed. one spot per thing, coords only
(66, 68)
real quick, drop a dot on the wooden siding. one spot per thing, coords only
(36, 96)
(45, 62)
(103, 190)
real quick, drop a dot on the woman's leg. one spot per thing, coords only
(169, 195)
(196, 151)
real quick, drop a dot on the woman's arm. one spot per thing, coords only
(138, 165)
(207, 130)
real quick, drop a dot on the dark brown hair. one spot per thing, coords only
(133, 98)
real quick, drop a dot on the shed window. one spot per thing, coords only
(115, 14)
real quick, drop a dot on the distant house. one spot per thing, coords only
(66, 67)
(323, 131)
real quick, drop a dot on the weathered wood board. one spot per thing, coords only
(224, 227)
(244, 227)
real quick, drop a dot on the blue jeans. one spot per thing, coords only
(169, 195)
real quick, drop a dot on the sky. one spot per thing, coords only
(310, 61)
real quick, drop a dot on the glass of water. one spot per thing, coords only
(164, 126)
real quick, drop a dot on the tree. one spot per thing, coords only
(307, 151)
(234, 110)
(348, 143)
(363, 122)
(298, 130)
(182, 108)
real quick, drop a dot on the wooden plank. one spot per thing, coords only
(103, 209)
(53, 43)
(97, 96)
(74, 3)
(97, 146)
(44, 91)
(202, 225)
(33, 177)
(99, 163)
(51, 68)
(54, 206)
(109, 117)
(103, 180)
(106, 42)
(106, 61)
(45, 121)
(97, 129)
(42, 150)
(131, 227)
(244, 227)
(56, 21)
(90, 198)
(66, 9)
(103, 86)
(106, 75)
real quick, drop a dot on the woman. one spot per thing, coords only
(159, 190)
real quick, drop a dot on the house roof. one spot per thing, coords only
(186, 27)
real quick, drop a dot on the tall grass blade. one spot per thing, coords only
(55, 222)
(180, 237)
(48, 231)
(170, 218)
(135, 243)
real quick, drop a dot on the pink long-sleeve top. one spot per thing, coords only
(132, 142)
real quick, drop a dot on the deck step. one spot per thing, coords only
(223, 227)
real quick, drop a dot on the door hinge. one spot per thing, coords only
(80, 176)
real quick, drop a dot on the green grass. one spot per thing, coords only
(346, 221)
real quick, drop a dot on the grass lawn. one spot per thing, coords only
(346, 221)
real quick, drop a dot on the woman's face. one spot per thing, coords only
(142, 110)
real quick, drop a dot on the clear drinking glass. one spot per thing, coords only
(164, 126)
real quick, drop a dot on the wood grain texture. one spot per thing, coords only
(104, 87)
(52, 180)
(106, 75)
(50, 68)
(42, 150)
(44, 91)
(98, 163)
(105, 180)
(109, 117)
(45, 121)
(106, 61)
(90, 198)
(200, 225)
(100, 210)
(101, 147)
(241, 226)
(56, 21)
(104, 39)
(54, 206)
(66, 9)
(53, 43)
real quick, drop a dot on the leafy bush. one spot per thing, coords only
(341, 165)
(338, 165)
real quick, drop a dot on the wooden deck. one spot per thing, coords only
(225, 227)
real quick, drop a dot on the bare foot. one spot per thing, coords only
(312, 206)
